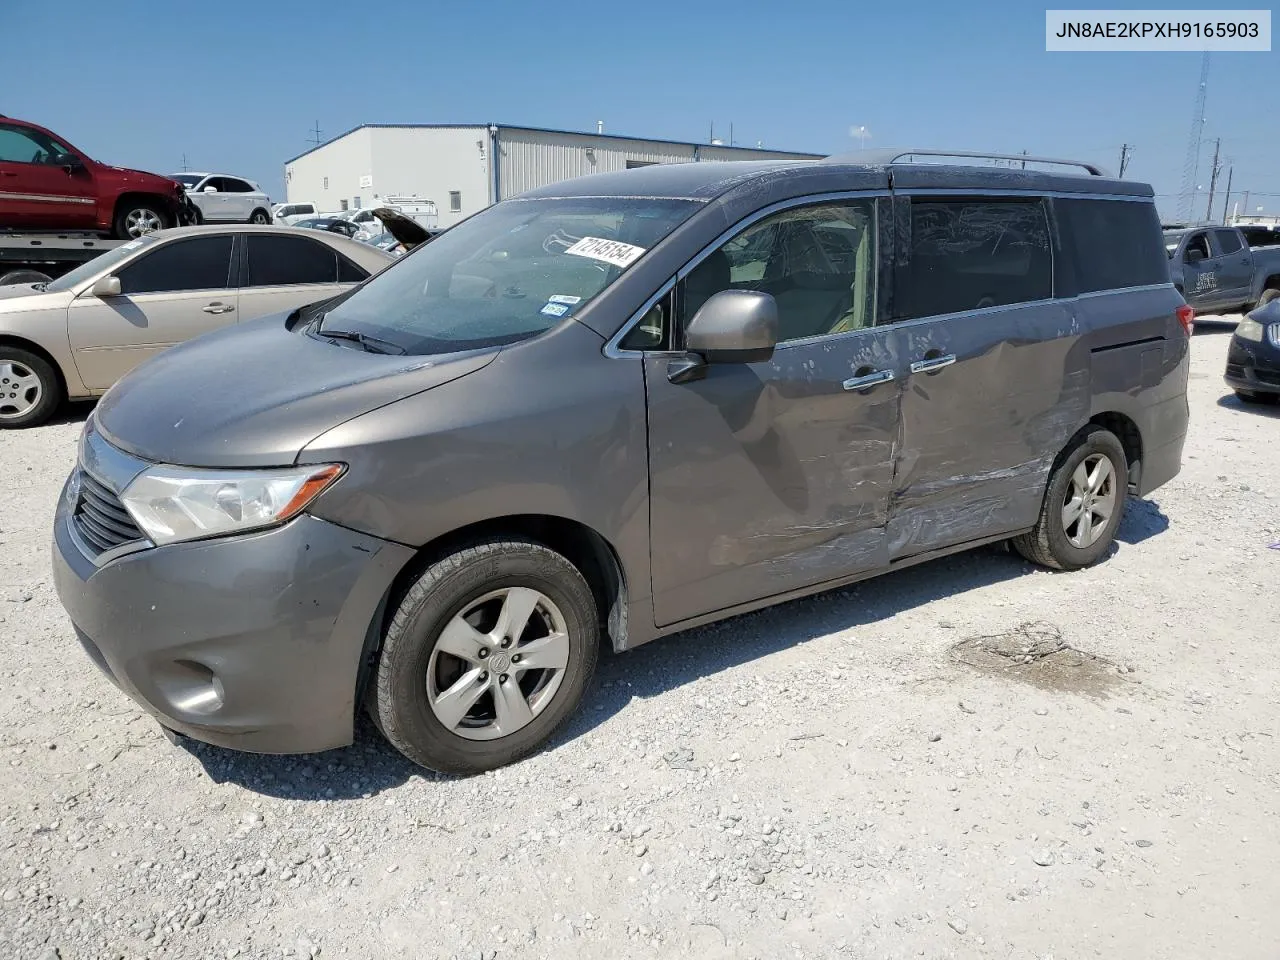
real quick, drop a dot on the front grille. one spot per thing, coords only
(1273, 334)
(100, 518)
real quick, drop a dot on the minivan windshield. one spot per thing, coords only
(506, 274)
(95, 266)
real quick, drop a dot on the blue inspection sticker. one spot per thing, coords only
(555, 309)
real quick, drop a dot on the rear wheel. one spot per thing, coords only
(29, 388)
(260, 216)
(1082, 503)
(1250, 396)
(488, 653)
(137, 219)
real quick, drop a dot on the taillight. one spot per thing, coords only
(1186, 317)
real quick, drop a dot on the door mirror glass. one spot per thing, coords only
(734, 326)
(106, 287)
(1194, 255)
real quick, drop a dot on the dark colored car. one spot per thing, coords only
(47, 184)
(331, 224)
(608, 410)
(1253, 358)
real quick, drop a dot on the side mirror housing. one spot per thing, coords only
(68, 160)
(106, 287)
(1195, 256)
(209, 190)
(734, 326)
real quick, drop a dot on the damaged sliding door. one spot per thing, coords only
(996, 378)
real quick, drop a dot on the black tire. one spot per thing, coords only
(260, 216)
(1267, 297)
(120, 226)
(50, 388)
(1047, 544)
(24, 276)
(397, 692)
(1250, 396)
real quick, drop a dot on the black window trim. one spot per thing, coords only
(243, 275)
(153, 248)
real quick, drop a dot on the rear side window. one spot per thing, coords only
(202, 263)
(1228, 241)
(973, 254)
(280, 261)
(349, 272)
(1114, 243)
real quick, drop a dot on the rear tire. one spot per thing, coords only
(1055, 542)
(1250, 396)
(449, 676)
(260, 216)
(137, 218)
(30, 390)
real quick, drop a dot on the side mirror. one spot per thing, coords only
(106, 287)
(68, 160)
(209, 190)
(734, 326)
(1194, 255)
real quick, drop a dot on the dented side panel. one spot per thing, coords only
(979, 437)
(769, 477)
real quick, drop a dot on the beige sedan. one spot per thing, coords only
(76, 336)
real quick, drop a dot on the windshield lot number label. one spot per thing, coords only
(610, 251)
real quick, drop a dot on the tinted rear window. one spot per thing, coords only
(277, 261)
(1114, 243)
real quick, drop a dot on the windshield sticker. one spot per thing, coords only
(610, 251)
(563, 298)
(555, 310)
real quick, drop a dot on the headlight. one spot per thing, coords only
(181, 503)
(1250, 329)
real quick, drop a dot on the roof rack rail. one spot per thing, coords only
(889, 157)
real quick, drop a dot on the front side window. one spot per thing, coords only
(284, 261)
(974, 254)
(506, 274)
(18, 145)
(817, 262)
(1228, 241)
(1197, 244)
(201, 263)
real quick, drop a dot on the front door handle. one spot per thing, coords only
(930, 364)
(868, 380)
(218, 308)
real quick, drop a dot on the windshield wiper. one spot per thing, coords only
(370, 344)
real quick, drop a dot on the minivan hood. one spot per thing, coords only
(256, 394)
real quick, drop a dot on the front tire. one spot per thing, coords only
(1083, 504)
(488, 653)
(137, 219)
(30, 391)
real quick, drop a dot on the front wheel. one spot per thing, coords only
(1082, 504)
(488, 653)
(137, 219)
(29, 389)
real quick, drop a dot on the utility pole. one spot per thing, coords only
(315, 135)
(1024, 163)
(712, 137)
(731, 133)
(1226, 204)
(1245, 206)
(1213, 178)
(185, 168)
(1126, 150)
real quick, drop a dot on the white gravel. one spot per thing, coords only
(824, 779)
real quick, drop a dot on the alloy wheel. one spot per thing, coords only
(498, 663)
(140, 222)
(20, 389)
(1090, 502)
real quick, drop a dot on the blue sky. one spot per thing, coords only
(236, 86)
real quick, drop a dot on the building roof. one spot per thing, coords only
(570, 133)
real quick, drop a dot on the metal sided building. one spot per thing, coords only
(464, 168)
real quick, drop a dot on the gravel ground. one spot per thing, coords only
(972, 758)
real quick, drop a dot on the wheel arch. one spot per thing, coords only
(161, 203)
(1130, 437)
(594, 556)
(22, 343)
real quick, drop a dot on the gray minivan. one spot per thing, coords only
(615, 408)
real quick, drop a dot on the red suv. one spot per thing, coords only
(47, 184)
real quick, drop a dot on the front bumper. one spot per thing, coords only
(1253, 366)
(186, 212)
(252, 642)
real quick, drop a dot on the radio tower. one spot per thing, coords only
(1191, 165)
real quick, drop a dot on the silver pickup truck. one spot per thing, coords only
(1221, 269)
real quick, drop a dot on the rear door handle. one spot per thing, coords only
(868, 380)
(930, 364)
(218, 308)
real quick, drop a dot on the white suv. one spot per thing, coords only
(291, 213)
(226, 199)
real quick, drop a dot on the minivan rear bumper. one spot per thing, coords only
(250, 642)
